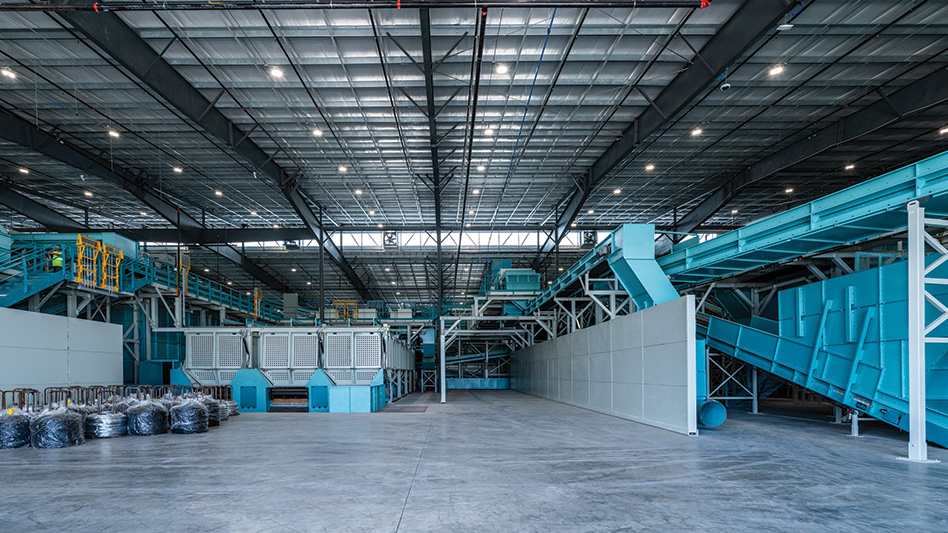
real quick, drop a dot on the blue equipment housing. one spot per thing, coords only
(847, 339)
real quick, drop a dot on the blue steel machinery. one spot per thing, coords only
(845, 338)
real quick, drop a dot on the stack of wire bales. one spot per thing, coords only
(65, 423)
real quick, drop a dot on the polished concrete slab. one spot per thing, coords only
(485, 461)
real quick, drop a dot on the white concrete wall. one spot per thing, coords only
(639, 367)
(39, 351)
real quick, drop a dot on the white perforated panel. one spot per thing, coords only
(278, 377)
(226, 376)
(305, 350)
(276, 352)
(338, 350)
(302, 377)
(230, 351)
(368, 350)
(364, 377)
(201, 350)
(205, 377)
(341, 377)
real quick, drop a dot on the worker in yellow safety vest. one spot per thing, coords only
(56, 259)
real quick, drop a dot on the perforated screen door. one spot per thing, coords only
(276, 351)
(338, 350)
(305, 350)
(230, 351)
(201, 350)
(368, 350)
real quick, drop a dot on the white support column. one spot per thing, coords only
(917, 447)
(444, 393)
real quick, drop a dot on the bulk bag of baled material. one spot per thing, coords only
(147, 418)
(106, 425)
(190, 416)
(57, 428)
(224, 410)
(232, 409)
(14, 429)
(213, 411)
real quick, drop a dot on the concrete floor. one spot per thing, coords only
(486, 461)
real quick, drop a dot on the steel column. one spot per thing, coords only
(917, 447)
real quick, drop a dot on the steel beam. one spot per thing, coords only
(918, 96)
(109, 33)
(16, 130)
(745, 27)
(437, 186)
(342, 4)
(34, 210)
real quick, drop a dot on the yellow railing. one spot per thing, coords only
(87, 262)
(111, 261)
(346, 309)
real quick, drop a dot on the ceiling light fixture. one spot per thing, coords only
(850, 166)
(218, 193)
(467, 225)
(471, 212)
(697, 131)
(943, 130)
(292, 270)
(617, 191)
(502, 69)
(788, 190)
(178, 170)
(358, 192)
(253, 213)
(8, 73)
(482, 168)
(476, 191)
(784, 27)
(388, 269)
(778, 69)
(276, 226)
(381, 226)
(113, 133)
(393, 283)
(317, 132)
(309, 282)
(733, 211)
(489, 132)
(230, 282)
(276, 72)
(397, 293)
(560, 269)
(88, 194)
(144, 214)
(573, 225)
(24, 171)
(342, 168)
(549, 283)
(248, 294)
(650, 167)
(371, 212)
(207, 270)
(590, 212)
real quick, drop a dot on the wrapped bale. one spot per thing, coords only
(106, 425)
(213, 411)
(232, 409)
(224, 410)
(148, 418)
(190, 416)
(57, 428)
(14, 429)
